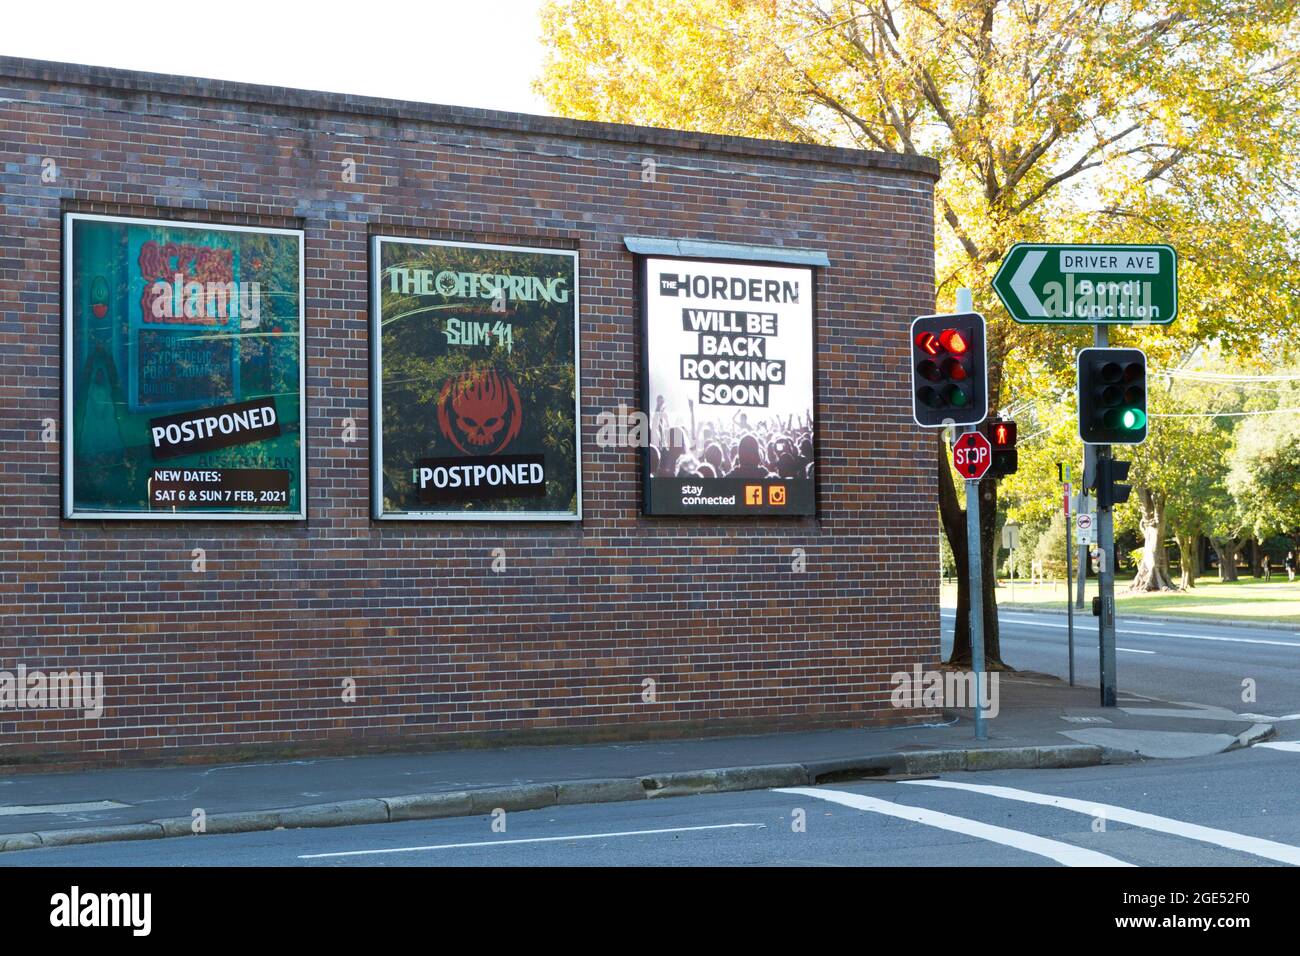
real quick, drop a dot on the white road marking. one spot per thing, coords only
(1132, 650)
(554, 839)
(1064, 853)
(1291, 745)
(1186, 637)
(16, 811)
(1206, 637)
(1268, 849)
(1271, 720)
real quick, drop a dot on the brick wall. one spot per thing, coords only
(250, 656)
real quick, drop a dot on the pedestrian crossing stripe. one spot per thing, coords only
(1255, 846)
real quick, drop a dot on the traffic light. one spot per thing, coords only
(1001, 434)
(1110, 472)
(1112, 396)
(949, 370)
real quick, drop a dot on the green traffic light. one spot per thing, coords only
(1134, 419)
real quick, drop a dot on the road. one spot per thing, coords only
(1172, 660)
(1234, 809)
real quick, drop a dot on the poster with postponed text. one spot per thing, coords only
(474, 381)
(183, 370)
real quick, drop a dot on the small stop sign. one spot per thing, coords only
(972, 455)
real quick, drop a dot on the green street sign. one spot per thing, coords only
(1057, 284)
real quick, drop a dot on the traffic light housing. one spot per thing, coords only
(1110, 473)
(1112, 396)
(949, 370)
(1001, 434)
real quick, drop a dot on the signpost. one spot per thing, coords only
(1063, 472)
(1055, 284)
(1099, 285)
(972, 456)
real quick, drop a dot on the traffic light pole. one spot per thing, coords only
(1069, 573)
(1089, 473)
(974, 571)
(1106, 573)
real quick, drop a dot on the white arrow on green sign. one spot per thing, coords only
(1089, 284)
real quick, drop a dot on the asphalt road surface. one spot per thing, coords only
(1233, 809)
(1173, 660)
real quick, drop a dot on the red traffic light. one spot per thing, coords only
(1003, 434)
(954, 341)
(949, 378)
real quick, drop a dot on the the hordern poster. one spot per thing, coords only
(475, 381)
(729, 371)
(183, 370)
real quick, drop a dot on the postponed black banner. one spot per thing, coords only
(469, 479)
(208, 429)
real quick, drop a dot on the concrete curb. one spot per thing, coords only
(461, 803)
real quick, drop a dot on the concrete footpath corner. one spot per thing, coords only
(1041, 724)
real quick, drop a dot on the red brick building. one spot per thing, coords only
(343, 633)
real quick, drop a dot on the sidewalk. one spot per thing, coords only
(1042, 723)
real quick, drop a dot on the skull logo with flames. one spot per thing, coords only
(479, 411)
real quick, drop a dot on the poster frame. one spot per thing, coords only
(377, 512)
(640, 290)
(70, 512)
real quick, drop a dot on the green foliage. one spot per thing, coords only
(1137, 120)
(1183, 462)
(1096, 121)
(1050, 548)
(1265, 475)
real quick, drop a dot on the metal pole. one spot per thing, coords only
(1106, 573)
(975, 570)
(976, 576)
(1089, 469)
(1069, 573)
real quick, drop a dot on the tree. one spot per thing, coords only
(1227, 527)
(1049, 550)
(1265, 475)
(1104, 120)
(1179, 475)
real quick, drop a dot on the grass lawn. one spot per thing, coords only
(1249, 599)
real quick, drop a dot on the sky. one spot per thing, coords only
(482, 53)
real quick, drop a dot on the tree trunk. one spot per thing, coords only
(1227, 550)
(1189, 557)
(953, 520)
(954, 526)
(1153, 569)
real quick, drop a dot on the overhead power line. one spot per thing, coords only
(1269, 411)
(1225, 376)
